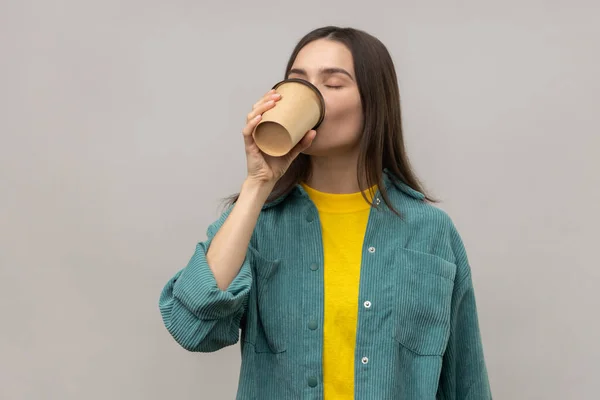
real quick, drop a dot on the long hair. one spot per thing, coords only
(382, 143)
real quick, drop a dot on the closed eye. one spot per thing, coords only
(333, 87)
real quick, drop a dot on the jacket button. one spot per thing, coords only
(312, 381)
(310, 218)
(312, 325)
(314, 267)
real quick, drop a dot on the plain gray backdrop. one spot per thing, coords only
(120, 125)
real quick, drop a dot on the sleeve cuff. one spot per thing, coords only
(196, 288)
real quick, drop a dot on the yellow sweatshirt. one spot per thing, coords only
(343, 220)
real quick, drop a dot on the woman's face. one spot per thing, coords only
(329, 66)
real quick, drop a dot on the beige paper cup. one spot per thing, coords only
(300, 109)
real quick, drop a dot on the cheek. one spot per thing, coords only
(342, 107)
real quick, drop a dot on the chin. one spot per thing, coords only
(336, 142)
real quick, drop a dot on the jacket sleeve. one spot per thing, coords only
(197, 313)
(464, 373)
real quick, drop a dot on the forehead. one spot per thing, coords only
(324, 53)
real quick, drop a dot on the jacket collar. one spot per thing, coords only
(389, 180)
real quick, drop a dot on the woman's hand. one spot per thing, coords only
(263, 168)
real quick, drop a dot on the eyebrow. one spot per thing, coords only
(324, 71)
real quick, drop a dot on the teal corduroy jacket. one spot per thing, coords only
(417, 335)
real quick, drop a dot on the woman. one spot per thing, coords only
(344, 280)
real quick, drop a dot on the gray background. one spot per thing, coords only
(120, 132)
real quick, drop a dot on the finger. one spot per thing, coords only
(303, 144)
(260, 110)
(271, 95)
(249, 128)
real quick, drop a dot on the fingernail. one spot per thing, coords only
(276, 95)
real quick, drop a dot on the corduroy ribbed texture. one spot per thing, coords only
(418, 340)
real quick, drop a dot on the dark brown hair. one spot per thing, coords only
(381, 144)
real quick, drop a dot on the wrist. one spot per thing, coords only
(257, 189)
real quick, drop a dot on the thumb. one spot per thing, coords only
(303, 144)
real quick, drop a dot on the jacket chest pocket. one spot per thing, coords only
(272, 307)
(423, 297)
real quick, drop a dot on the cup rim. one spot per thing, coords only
(314, 89)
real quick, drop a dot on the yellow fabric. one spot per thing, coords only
(343, 220)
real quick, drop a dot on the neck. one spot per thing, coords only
(335, 174)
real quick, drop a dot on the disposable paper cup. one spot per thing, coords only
(300, 109)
